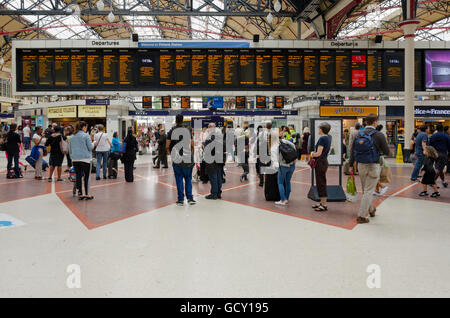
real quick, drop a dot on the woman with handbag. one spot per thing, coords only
(319, 162)
(131, 147)
(56, 155)
(39, 142)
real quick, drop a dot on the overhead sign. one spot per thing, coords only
(193, 44)
(347, 111)
(91, 111)
(62, 112)
(419, 111)
(147, 102)
(97, 101)
(246, 113)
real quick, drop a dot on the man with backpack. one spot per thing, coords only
(367, 149)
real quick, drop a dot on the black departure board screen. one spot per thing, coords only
(45, 65)
(263, 69)
(147, 68)
(393, 70)
(166, 69)
(343, 75)
(241, 102)
(93, 64)
(251, 69)
(166, 101)
(185, 102)
(182, 69)
(374, 69)
(326, 69)
(310, 69)
(359, 61)
(261, 101)
(279, 69)
(295, 69)
(231, 67)
(109, 68)
(147, 102)
(199, 62)
(62, 62)
(29, 67)
(247, 63)
(278, 102)
(215, 66)
(126, 67)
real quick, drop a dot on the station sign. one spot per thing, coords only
(347, 111)
(92, 111)
(147, 102)
(97, 101)
(62, 112)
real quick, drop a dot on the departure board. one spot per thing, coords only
(278, 102)
(147, 67)
(166, 69)
(93, 63)
(126, 67)
(109, 68)
(45, 63)
(185, 102)
(263, 69)
(147, 102)
(295, 69)
(343, 76)
(231, 67)
(374, 69)
(279, 69)
(250, 69)
(326, 69)
(182, 69)
(241, 102)
(261, 101)
(247, 67)
(393, 70)
(310, 72)
(62, 62)
(199, 68)
(29, 69)
(359, 69)
(166, 101)
(215, 66)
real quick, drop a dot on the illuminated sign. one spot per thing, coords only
(91, 111)
(347, 111)
(62, 112)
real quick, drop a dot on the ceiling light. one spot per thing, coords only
(111, 17)
(100, 5)
(277, 6)
(270, 17)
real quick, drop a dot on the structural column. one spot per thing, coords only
(409, 29)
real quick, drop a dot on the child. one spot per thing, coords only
(430, 174)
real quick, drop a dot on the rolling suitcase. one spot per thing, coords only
(271, 191)
(112, 168)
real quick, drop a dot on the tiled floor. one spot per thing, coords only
(132, 240)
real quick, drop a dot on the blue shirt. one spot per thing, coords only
(441, 142)
(325, 142)
(422, 136)
(80, 146)
(115, 144)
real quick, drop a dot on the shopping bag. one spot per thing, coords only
(386, 174)
(351, 186)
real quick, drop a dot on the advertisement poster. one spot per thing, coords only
(335, 153)
(437, 69)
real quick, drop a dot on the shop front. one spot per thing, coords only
(69, 115)
(349, 114)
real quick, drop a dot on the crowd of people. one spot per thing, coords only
(202, 157)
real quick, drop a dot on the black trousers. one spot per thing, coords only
(82, 170)
(162, 159)
(128, 166)
(69, 161)
(321, 177)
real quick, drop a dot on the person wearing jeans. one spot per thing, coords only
(421, 143)
(103, 146)
(285, 173)
(183, 175)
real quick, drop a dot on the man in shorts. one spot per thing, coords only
(441, 142)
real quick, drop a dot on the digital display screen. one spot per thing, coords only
(212, 101)
(147, 102)
(129, 69)
(185, 102)
(437, 69)
(166, 102)
(241, 102)
(62, 62)
(278, 102)
(261, 101)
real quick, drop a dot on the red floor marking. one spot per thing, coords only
(300, 182)
(18, 181)
(167, 185)
(82, 217)
(289, 214)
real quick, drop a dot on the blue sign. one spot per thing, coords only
(249, 113)
(40, 121)
(419, 111)
(193, 44)
(212, 101)
(331, 102)
(94, 102)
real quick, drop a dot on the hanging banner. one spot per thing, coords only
(62, 112)
(91, 111)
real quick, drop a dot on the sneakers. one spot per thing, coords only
(435, 195)
(191, 201)
(383, 191)
(211, 197)
(281, 202)
(361, 220)
(180, 203)
(445, 184)
(423, 194)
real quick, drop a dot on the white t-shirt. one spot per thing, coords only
(102, 143)
(27, 132)
(37, 138)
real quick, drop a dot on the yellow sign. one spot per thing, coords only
(62, 112)
(399, 157)
(91, 111)
(347, 111)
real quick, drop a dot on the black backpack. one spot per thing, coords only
(288, 152)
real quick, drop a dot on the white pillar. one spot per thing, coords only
(409, 29)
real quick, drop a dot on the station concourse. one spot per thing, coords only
(108, 78)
